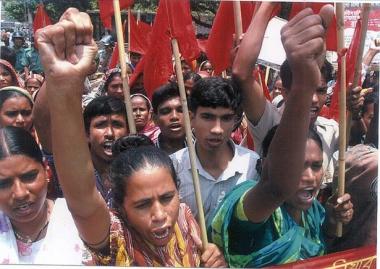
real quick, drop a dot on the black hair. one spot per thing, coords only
(191, 75)
(100, 106)
(17, 141)
(8, 54)
(14, 78)
(109, 79)
(163, 94)
(146, 99)
(269, 136)
(215, 92)
(5, 95)
(312, 134)
(370, 98)
(130, 141)
(286, 73)
(132, 160)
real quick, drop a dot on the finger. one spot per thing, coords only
(309, 32)
(70, 37)
(79, 19)
(294, 21)
(344, 198)
(45, 48)
(306, 24)
(327, 15)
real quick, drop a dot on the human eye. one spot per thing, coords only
(227, 118)
(207, 116)
(316, 166)
(165, 111)
(26, 113)
(167, 197)
(29, 176)
(144, 204)
(117, 124)
(11, 114)
(100, 124)
(5, 183)
(322, 90)
(179, 109)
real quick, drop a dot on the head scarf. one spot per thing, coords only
(19, 90)
(38, 77)
(15, 77)
(105, 81)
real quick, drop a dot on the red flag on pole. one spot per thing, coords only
(351, 56)
(173, 20)
(41, 18)
(331, 35)
(106, 10)
(140, 36)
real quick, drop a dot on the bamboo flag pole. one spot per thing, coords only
(129, 33)
(267, 71)
(190, 145)
(123, 65)
(358, 64)
(342, 107)
(237, 20)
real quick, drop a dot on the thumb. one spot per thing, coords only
(88, 55)
(327, 15)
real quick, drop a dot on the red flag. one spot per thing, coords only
(351, 56)
(114, 57)
(41, 19)
(257, 72)
(137, 72)
(106, 10)
(140, 36)
(173, 20)
(331, 35)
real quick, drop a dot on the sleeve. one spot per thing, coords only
(270, 118)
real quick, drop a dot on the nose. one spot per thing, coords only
(315, 98)
(20, 119)
(217, 128)
(174, 115)
(109, 132)
(308, 175)
(19, 190)
(158, 213)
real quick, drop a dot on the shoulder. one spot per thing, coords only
(322, 121)
(179, 155)
(246, 152)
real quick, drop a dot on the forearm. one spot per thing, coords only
(368, 57)
(287, 150)
(245, 61)
(41, 119)
(70, 148)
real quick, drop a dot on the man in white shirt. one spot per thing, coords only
(214, 104)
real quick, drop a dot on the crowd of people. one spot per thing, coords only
(76, 188)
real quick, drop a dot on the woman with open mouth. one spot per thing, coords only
(33, 229)
(147, 226)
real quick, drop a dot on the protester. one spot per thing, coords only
(8, 54)
(33, 83)
(150, 228)
(262, 115)
(142, 114)
(189, 78)
(214, 105)
(278, 220)
(168, 116)
(16, 106)
(34, 230)
(206, 66)
(361, 165)
(106, 53)
(8, 75)
(33, 60)
(21, 59)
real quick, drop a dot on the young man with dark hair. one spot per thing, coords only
(104, 121)
(214, 105)
(261, 114)
(167, 114)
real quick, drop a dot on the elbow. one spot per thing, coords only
(239, 74)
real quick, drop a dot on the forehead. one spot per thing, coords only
(171, 102)
(218, 111)
(116, 78)
(139, 101)
(313, 150)
(113, 117)
(32, 82)
(16, 101)
(3, 68)
(16, 164)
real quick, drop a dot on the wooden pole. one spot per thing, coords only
(267, 71)
(129, 33)
(123, 65)
(342, 108)
(358, 64)
(190, 145)
(237, 20)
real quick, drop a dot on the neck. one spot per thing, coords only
(35, 229)
(102, 167)
(171, 145)
(295, 213)
(215, 166)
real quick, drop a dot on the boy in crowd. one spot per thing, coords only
(167, 114)
(214, 105)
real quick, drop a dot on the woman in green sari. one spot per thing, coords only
(277, 219)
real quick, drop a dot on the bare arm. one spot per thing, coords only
(244, 63)
(303, 39)
(67, 51)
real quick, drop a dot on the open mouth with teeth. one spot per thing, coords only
(313, 112)
(108, 146)
(307, 194)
